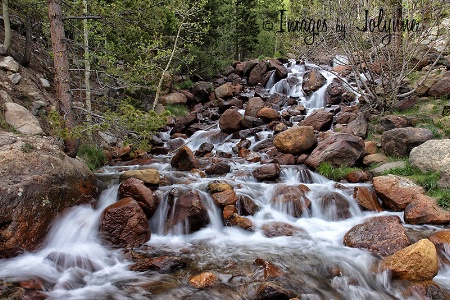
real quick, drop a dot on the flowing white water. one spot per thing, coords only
(73, 264)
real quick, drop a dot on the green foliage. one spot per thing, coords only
(184, 85)
(27, 148)
(334, 173)
(92, 156)
(177, 110)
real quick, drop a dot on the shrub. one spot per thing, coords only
(92, 155)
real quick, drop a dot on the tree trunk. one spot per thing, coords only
(62, 78)
(87, 68)
(6, 21)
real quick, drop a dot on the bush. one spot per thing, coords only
(92, 155)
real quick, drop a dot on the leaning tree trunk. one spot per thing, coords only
(7, 24)
(62, 78)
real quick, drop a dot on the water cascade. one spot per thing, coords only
(73, 264)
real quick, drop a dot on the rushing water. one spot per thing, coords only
(73, 264)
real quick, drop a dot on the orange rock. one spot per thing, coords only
(203, 280)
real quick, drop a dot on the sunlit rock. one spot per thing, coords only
(219, 186)
(396, 192)
(433, 155)
(380, 235)
(227, 197)
(203, 280)
(268, 114)
(295, 140)
(367, 198)
(148, 176)
(416, 262)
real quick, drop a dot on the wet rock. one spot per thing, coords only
(239, 221)
(426, 290)
(335, 206)
(320, 120)
(276, 100)
(334, 92)
(392, 122)
(135, 188)
(32, 284)
(124, 224)
(441, 240)
(251, 122)
(312, 81)
(230, 121)
(284, 159)
(425, 210)
(229, 211)
(338, 149)
(295, 140)
(274, 229)
(148, 176)
(367, 198)
(257, 75)
(268, 291)
(266, 270)
(246, 206)
(21, 119)
(230, 104)
(433, 155)
(268, 114)
(262, 145)
(202, 90)
(203, 280)
(253, 106)
(219, 186)
(227, 197)
(396, 192)
(184, 160)
(416, 262)
(380, 235)
(204, 149)
(38, 184)
(220, 168)
(280, 70)
(174, 99)
(400, 141)
(162, 264)
(249, 155)
(176, 143)
(291, 199)
(267, 172)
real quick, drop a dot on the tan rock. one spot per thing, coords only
(370, 147)
(22, 119)
(203, 280)
(374, 159)
(416, 262)
(396, 192)
(295, 140)
(219, 186)
(225, 198)
(148, 176)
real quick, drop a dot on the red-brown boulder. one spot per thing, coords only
(184, 160)
(136, 189)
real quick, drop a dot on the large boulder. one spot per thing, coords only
(136, 189)
(440, 88)
(291, 200)
(358, 126)
(400, 141)
(257, 75)
(184, 160)
(253, 106)
(416, 262)
(124, 224)
(433, 155)
(230, 121)
(174, 99)
(295, 140)
(319, 119)
(425, 210)
(380, 235)
(202, 90)
(339, 149)
(39, 183)
(21, 119)
(280, 70)
(396, 192)
(186, 207)
(312, 81)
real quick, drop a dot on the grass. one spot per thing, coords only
(428, 180)
(184, 85)
(177, 110)
(92, 155)
(333, 172)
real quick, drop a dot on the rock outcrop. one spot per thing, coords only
(39, 182)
